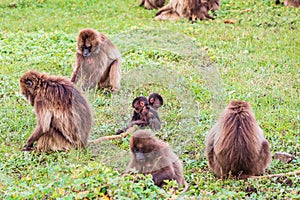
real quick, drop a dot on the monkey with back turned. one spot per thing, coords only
(190, 9)
(236, 145)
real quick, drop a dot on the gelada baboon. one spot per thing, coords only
(143, 115)
(138, 103)
(290, 3)
(152, 156)
(64, 117)
(190, 9)
(152, 4)
(236, 145)
(98, 61)
(155, 101)
(148, 117)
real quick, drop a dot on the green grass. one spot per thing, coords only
(198, 68)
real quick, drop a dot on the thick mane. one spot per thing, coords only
(240, 132)
(57, 90)
(90, 34)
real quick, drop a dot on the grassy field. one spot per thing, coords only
(198, 68)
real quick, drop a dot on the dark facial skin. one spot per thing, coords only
(86, 50)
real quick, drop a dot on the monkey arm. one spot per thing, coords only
(154, 113)
(133, 122)
(209, 149)
(135, 116)
(79, 61)
(141, 2)
(37, 133)
(137, 122)
(154, 123)
(74, 74)
(133, 166)
(44, 117)
(162, 174)
(115, 74)
(120, 131)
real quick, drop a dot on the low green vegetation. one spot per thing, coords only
(198, 68)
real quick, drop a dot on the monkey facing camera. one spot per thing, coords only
(153, 156)
(98, 62)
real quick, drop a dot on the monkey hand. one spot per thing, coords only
(119, 132)
(27, 148)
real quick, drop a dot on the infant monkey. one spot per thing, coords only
(145, 114)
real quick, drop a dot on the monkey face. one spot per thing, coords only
(87, 42)
(86, 49)
(139, 156)
(28, 83)
(138, 103)
(137, 107)
(151, 100)
(144, 158)
(142, 149)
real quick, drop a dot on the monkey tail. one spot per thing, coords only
(166, 8)
(112, 137)
(269, 176)
(186, 186)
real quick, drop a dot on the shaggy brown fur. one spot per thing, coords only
(98, 61)
(190, 9)
(152, 4)
(236, 145)
(152, 156)
(290, 3)
(64, 117)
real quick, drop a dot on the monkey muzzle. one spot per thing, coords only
(86, 52)
(140, 157)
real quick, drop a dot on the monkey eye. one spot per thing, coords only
(137, 150)
(28, 83)
(87, 47)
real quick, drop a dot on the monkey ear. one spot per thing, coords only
(142, 104)
(29, 83)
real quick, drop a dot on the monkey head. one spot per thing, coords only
(150, 153)
(143, 146)
(87, 42)
(29, 82)
(239, 107)
(138, 103)
(155, 100)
